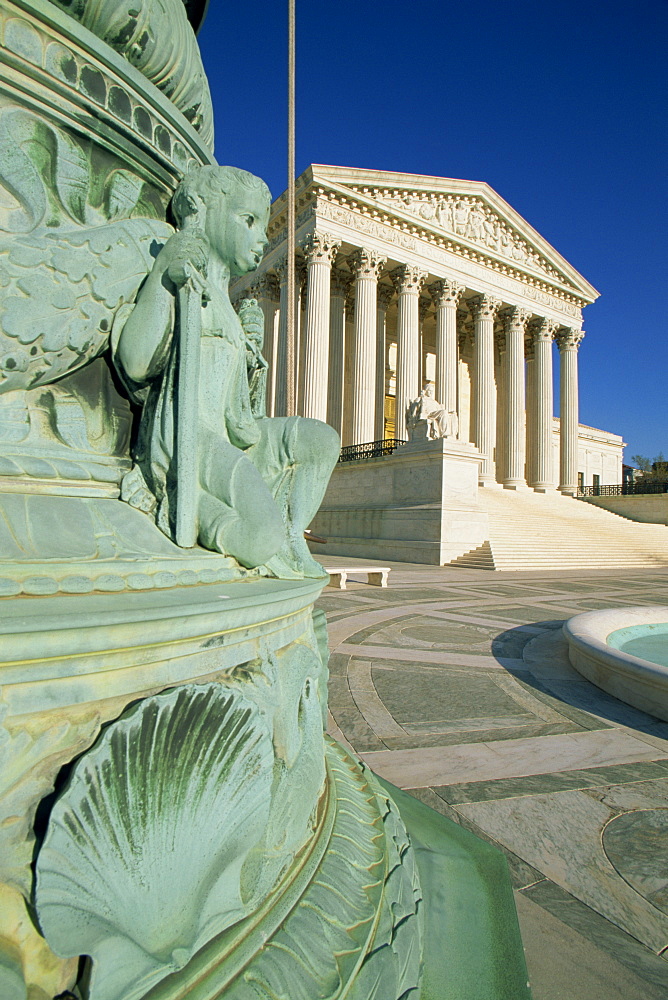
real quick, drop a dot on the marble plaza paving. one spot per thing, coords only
(456, 685)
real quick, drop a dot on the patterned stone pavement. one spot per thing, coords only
(456, 685)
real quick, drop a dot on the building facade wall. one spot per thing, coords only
(439, 280)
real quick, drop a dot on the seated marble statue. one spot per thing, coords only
(427, 418)
(259, 479)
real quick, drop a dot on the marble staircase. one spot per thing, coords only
(533, 531)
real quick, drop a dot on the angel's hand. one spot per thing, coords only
(184, 255)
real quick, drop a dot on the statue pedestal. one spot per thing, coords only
(198, 806)
(419, 504)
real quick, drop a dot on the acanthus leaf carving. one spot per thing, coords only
(484, 306)
(543, 329)
(446, 292)
(385, 295)
(408, 279)
(569, 339)
(320, 248)
(515, 318)
(366, 263)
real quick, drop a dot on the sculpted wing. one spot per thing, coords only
(60, 293)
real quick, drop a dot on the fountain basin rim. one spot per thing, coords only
(632, 679)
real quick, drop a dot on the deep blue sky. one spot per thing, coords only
(561, 107)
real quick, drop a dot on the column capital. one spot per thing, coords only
(423, 308)
(569, 339)
(484, 306)
(446, 292)
(408, 278)
(543, 329)
(366, 264)
(266, 287)
(385, 296)
(320, 248)
(281, 268)
(515, 318)
(341, 281)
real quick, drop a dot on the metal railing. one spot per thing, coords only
(371, 449)
(639, 488)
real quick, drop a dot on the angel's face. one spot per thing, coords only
(239, 233)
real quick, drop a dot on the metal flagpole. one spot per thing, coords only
(290, 324)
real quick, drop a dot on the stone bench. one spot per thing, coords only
(376, 575)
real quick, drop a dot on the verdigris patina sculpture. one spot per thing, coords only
(174, 823)
(235, 480)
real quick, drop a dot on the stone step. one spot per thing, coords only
(549, 531)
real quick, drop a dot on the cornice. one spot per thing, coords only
(322, 190)
(381, 180)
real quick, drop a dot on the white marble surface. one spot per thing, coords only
(636, 681)
(418, 504)
(509, 758)
(540, 829)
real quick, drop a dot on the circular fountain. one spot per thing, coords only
(624, 651)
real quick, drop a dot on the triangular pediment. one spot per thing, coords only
(469, 216)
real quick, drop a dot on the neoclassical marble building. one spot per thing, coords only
(403, 278)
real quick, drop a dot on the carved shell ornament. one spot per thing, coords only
(142, 860)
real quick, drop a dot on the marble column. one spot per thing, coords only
(385, 295)
(280, 392)
(530, 442)
(339, 285)
(319, 250)
(568, 342)
(408, 281)
(501, 379)
(465, 374)
(446, 295)
(423, 310)
(366, 266)
(266, 291)
(515, 321)
(348, 360)
(484, 308)
(540, 409)
(300, 327)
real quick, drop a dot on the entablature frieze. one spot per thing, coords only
(409, 231)
(350, 226)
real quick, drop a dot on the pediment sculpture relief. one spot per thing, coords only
(471, 219)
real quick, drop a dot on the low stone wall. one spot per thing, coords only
(651, 507)
(418, 505)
